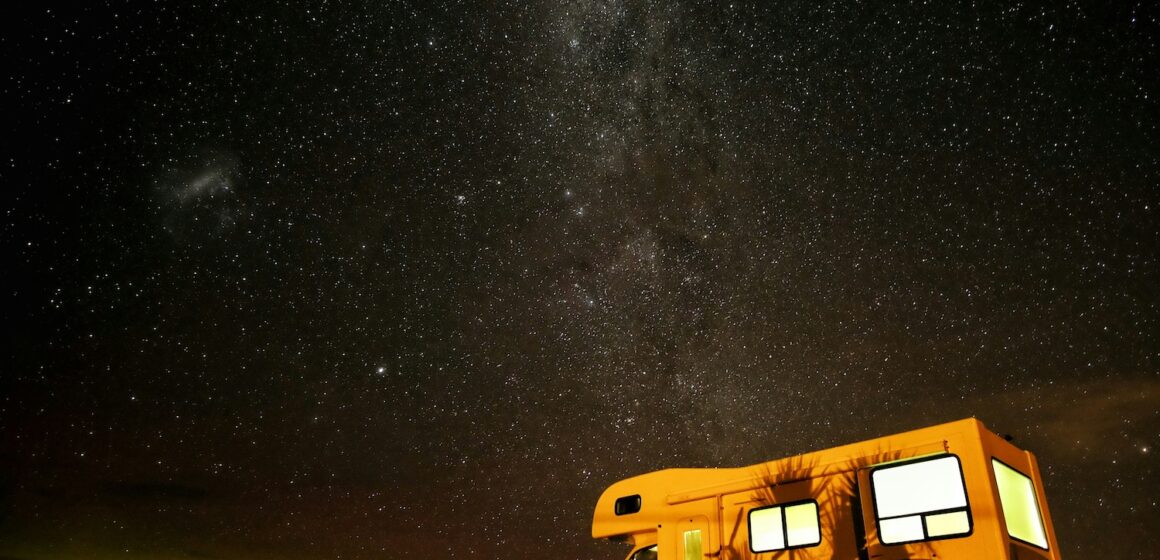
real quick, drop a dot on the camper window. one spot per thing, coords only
(649, 553)
(693, 545)
(920, 500)
(627, 504)
(784, 526)
(1020, 506)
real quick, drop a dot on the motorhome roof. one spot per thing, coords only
(670, 487)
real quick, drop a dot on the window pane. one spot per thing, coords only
(901, 529)
(765, 530)
(627, 504)
(944, 524)
(801, 522)
(1020, 508)
(931, 485)
(649, 553)
(693, 545)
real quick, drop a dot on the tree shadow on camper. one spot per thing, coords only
(834, 486)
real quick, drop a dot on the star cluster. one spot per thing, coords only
(420, 279)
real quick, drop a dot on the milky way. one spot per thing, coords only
(419, 280)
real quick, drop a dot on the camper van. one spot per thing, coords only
(954, 491)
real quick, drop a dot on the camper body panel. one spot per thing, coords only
(998, 449)
(837, 484)
(961, 440)
(830, 494)
(656, 506)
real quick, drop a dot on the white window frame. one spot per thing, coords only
(784, 527)
(1042, 524)
(922, 517)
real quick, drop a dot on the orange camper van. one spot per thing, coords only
(953, 491)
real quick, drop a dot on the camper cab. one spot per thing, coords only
(954, 491)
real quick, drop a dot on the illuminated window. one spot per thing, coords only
(693, 545)
(920, 500)
(1020, 507)
(784, 526)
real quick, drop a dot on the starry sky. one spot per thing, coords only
(419, 279)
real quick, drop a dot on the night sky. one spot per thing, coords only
(420, 279)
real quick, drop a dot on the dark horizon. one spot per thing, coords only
(421, 279)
